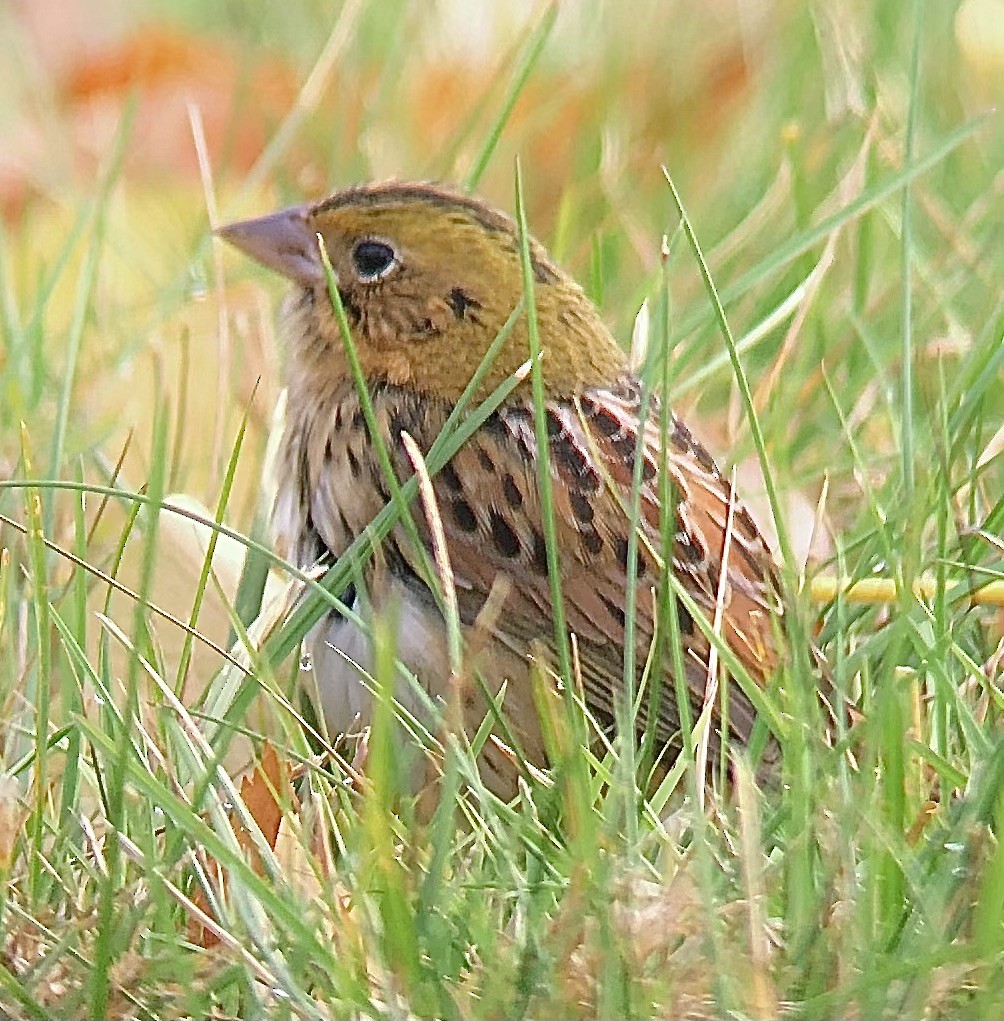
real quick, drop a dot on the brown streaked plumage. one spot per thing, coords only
(427, 278)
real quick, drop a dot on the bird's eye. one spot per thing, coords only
(373, 259)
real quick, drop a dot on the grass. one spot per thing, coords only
(825, 311)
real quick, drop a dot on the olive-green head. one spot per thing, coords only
(428, 277)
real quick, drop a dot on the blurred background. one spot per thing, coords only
(129, 127)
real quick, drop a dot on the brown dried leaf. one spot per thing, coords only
(259, 791)
(263, 791)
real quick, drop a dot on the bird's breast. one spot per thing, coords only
(332, 482)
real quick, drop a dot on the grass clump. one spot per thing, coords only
(841, 181)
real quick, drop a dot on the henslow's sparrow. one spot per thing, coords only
(428, 277)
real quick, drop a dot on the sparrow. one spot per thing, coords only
(427, 277)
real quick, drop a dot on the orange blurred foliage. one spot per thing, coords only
(168, 71)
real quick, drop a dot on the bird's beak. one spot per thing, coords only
(284, 242)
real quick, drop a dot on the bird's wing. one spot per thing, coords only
(489, 503)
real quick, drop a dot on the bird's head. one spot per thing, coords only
(428, 277)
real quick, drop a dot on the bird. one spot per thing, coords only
(428, 275)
